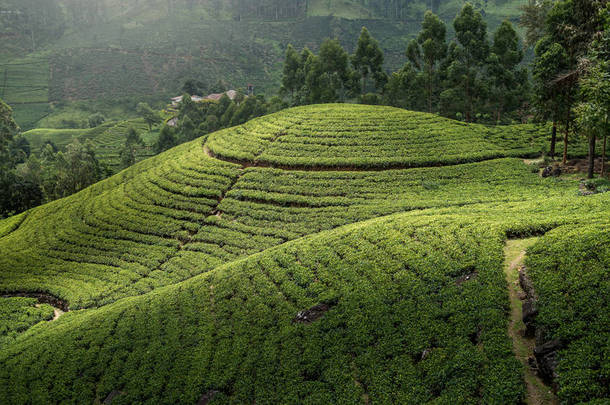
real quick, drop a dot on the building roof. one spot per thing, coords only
(214, 96)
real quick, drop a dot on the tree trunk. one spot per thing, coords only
(565, 143)
(603, 170)
(591, 157)
(430, 89)
(553, 140)
(468, 103)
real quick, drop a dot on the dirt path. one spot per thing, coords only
(514, 255)
(60, 307)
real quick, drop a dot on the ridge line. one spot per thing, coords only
(322, 168)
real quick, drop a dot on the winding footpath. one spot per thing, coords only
(514, 255)
(59, 306)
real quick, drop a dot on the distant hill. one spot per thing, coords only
(108, 140)
(85, 50)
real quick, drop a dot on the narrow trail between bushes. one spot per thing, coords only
(59, 306)
(514, 255)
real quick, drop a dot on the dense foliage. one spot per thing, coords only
(19, 314)
(471, 78)
(373, 137)
(206, 211)
(570, 268)
(188, 295)
(400, 328)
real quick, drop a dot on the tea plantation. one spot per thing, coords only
(107, 139)
(323, 254)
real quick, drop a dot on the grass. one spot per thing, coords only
(185, 273)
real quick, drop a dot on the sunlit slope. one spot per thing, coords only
(184, 212)
(410, 310)
(201, 260)
(406, 309)
(371, 137)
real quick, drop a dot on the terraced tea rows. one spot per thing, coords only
(107, 139)
(392, 296)
(114, 234)
(369, 137)
(570, 271)
(182, 305)
(17, 314)
(186, 213)
(192, 213)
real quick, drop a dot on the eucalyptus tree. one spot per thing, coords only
(426, 53)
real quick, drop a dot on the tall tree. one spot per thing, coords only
(72, 170)
(167, 139)
(148, 114)
(368, 60)
(533, 18)
(334, 62)
(467, 57)
(427, 51)
(549, 96)
(593, 112)
(572, 24)
(327, 75)
(290, 78)
(509, 83)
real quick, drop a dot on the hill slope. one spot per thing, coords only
(193, 267)
(185, 211)
(85, 50)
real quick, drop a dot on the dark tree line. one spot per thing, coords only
(471, 77)
(27, 181)
(194, 120)
(572, 43)
(333, 75)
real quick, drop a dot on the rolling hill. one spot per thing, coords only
(322, 254)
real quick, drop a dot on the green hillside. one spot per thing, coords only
(322, 254)
(107, 139)
(110, 49)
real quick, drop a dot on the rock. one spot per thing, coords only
(526, 283)
(113, 394)
(312, 314)
(425, 354)
(531, 361)
(207, 397)
(529, 317)
(548, 171)
(547, 360)
(530, 309)
(556, 172)
(466, 277)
